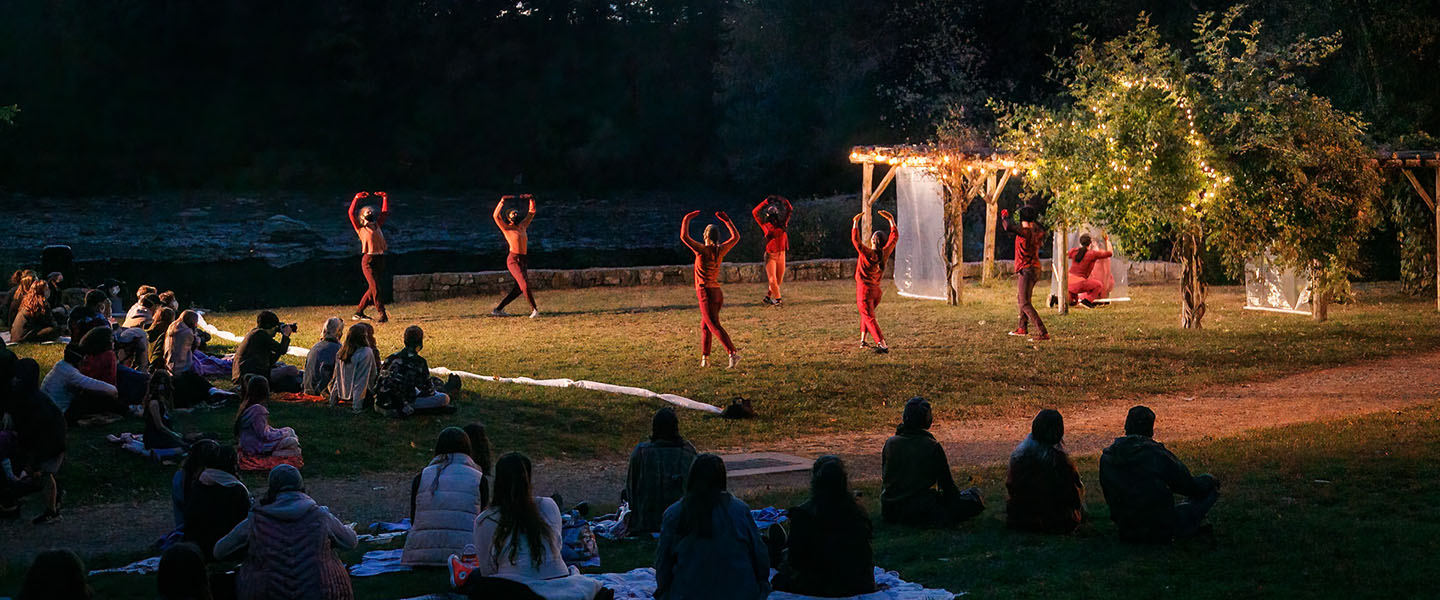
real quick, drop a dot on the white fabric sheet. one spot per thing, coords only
(920, 251)
(1114, 270)
(1269, 287)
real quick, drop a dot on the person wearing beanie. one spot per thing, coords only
(1045, 491)
(290, 542)
(916, 487)
(1140, 478)
(444, 501)
(656, 475)
(1029, 236)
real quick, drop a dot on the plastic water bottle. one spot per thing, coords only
(470, 556)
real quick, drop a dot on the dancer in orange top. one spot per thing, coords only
(708, 256)
(373, 247)
(516, 230)
(773, 216)
(869, 270)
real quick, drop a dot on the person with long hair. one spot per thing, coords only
(159, 429)
(518, 537)
(829, 541)
(655, 478)
(216, 500)
(1029, 236)
(182, 574)
(444, 500)
(56, 575)
(367, 223)
(709, 255)
(33, 322)
(320, 362)
(516, 229)
(709, 545)
(1045, 491)
(40, 429)
(186, 476)
(253, 433)
(191, 388)
(1083, 288)
(290, 542)
(869, 270)
(773, 216)
(480, 452)
(355, 369)
(916, 486)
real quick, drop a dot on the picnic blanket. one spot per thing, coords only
(64, 339)
(211, 366)
(252, 462)
(639, 584)
(134, 443)
(139, 567)
(297, 398)
(378, 562)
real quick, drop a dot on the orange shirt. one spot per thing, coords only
(870, 268)
(707, 265)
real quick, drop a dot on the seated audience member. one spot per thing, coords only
(159, 431)
(155, 337)
(191, 388)
(444, 502)
(253, 433)
(185, 477)
(40, 434)
(356, 370)
(132, 350)
(829, 540)
(143, 312)
(100, 362)
(217, 500)
(11, 301)
(518, 538)
(1140, 478)
(656, 477)
(78, 395)
(167, 298)
(259, 351)
(182, 574)
(34, 322)
(95, 313)
(320, 363)
(290, 544)
(480, 453)
(405, 384)
(1045, 491)
(56, 575)
(709, 546)
(917, 488)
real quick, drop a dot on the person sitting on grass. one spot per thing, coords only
(182, 574)
(155, 337)
(94, 313)
(259, 352)
(56, 575)
(656, 476)
(132, 350)
(917, 488)
(829, 541)
(709, 545)
(1140, 478)
(185, 477)
(100, 362)
(77, 395)
(40, 430)
(290, 542)
(159, 430)
(34, 322)
(320, 363)
(1046, 494)
(355, 370)
(444, 501)
(217, 500)
(480, 453)
(143, 312)
(405, 384)
(253, 434)
(518, 539)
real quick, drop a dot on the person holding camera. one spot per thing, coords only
(258, 352)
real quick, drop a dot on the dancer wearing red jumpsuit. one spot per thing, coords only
(516, 229)
(1083, 288)
(708, 256)
(869, 269)
(372, 247)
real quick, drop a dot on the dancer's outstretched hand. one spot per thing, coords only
(722, 216)
(382, 195)
(857, 218)
(887, 215)
(362, 195)
(693, 214)
(1004, 213)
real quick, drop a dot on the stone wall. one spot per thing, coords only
(434, 286)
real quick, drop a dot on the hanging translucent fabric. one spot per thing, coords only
(920, 251)
(1112, 273)
(1269, 286)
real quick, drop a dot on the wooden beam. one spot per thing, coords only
(1437, 237)
(1059, 268)
(1424, 195)
(884, 183)
(867, 174)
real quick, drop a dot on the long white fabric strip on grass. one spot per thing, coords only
(597, 386)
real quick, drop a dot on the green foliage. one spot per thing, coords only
(7, 113)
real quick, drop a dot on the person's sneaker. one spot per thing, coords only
(460, 568)
(49, 516)
(360, 316)
(384, 318)
(1019, 333)
(734, 360)
(1086, 304)
(705, 360)
(499, 313)
(1040, 338)
(767, 300)
(882, 349)
(534, 313)
(779, 302)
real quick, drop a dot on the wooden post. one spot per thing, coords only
(987, 260)
(1435, 205)
(1059, 266)
(867, 177)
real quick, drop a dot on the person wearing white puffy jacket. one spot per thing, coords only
(444, 502)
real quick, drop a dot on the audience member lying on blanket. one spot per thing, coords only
(405, 384)
(259, 352)
(709, 546)
(444, 503)
(290, 544)
(828, 553)
(1140, 478)
(917, 488)
(356, 369)
(1045, 491)
(253, 434)
(656, 476)
(320, 362)
(216, 501)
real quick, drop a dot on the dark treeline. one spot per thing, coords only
(129, 96)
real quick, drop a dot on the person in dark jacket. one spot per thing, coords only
(917, 488)
(1140, 478)
(656, 476)
(182, 574)
(829, 540)
(258, 352)
(1046, 494)
(56, 575)
(40, 428)
(216, 502)
(405, 384)
(709, 545)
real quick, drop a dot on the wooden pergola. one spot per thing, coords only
(1407, 162)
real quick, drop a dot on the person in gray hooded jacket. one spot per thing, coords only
(1140, 478)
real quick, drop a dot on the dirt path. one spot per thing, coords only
(1220, 411)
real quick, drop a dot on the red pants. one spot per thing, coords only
(775, 273)
(711, 300)
(1085, 289)
(519, 265)
(866, 299)
(373, 266)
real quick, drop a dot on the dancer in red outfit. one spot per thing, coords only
(1083, 259)
(516, 230)
(708, 256)
(372, 245)
(773, 216)
(869, 269)
(1028, 237)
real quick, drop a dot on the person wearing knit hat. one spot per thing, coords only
(1045, 491)
(917, 488)
(1140, 478)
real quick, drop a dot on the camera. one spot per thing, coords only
(294, 326)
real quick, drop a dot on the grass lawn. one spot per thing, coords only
(1341, 509)
(802, 368)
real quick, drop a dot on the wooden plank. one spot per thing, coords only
(867, 174)
(1437, 239)
(884, 183)
(1424, 195)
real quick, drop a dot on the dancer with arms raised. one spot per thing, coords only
(773, 216)
(516, 229)
(869, 270)
(372, 245)
(1028, 237)
(708, 256)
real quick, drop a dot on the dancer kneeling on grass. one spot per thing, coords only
(253, 433)
(1083, 289)
(869, 270)
(516, 228)
(1028, 237)
(1140, 478)
(773, 216)
(290, 542)
(1046, 494)
(708, 257)
(405, 384)
(356, 371)
(656, 476)
(444, 501)
(917, 488)
(320, 362)
(372, 248)
(709, 545)
(518, 540)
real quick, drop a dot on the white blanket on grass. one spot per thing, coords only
(639, 584)
(596, 386)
